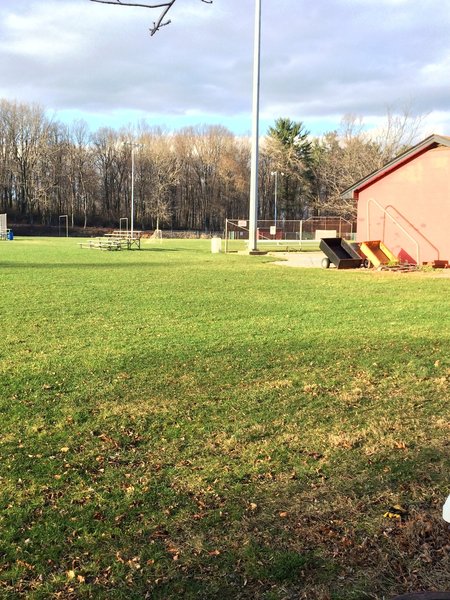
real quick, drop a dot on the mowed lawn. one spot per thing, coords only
(181, 424)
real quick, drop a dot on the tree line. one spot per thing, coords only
(193, 178)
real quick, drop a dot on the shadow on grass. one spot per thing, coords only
(320, 550)
(268, 534)
(158, 250)
(82, 265)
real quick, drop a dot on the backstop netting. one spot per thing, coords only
(3, 226)
(302, 234)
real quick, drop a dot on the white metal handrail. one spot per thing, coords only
(394, 220)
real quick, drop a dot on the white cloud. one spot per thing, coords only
(43, 33)
(319, 60)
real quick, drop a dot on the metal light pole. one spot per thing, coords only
(253, 213)
(133, 146)
(276, 196)
(275, 174)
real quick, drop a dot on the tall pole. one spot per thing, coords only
(132, 190)
(276, 196)
(253, 213)
(275, 174)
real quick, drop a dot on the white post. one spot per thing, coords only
(253, 213)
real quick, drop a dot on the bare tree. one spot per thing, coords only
(401, 130)
(343, 157)
(156, 176)
(165, 6)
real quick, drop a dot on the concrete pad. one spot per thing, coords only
(299, 259)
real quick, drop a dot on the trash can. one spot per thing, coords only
(10, 235)
(216, 245)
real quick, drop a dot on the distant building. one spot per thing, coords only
(406, 203)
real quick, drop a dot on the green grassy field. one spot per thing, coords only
(177, 424)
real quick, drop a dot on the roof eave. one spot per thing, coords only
(423, 146)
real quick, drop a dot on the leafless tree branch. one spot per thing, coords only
(160, 22)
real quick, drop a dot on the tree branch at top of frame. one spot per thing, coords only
(160, 22)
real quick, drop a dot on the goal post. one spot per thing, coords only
(156, 236)
(64, 220)
(3, 226)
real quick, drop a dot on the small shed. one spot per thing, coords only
(406, 203)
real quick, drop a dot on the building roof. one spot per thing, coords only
(432, 141)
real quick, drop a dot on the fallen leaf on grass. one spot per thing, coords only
(174, 552)
(22, 563)
(108, 440)
(400, 445)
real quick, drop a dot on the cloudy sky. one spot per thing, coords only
(320, 60)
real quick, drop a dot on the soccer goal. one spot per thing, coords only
(156, 236)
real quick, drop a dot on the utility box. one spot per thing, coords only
(216, 245)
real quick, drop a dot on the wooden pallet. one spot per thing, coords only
(400, 268)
